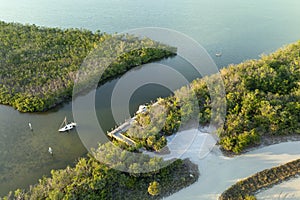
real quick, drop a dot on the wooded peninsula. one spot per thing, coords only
(262, 101)
(262, 98)
(38, 65)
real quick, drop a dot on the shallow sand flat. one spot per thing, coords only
(286, 190)
(218, 172)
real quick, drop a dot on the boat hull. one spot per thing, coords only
(67, 127)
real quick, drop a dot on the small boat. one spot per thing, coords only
(50, 150)
(219, 54)
(142, 109)
(30, 126)
(65, 126)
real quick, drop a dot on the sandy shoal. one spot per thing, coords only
(218, 172)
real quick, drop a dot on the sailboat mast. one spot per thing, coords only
(64, 123)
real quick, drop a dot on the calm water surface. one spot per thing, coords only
(240, 29)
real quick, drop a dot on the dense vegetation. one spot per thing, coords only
(262, 99)
(162, 118)
(38, 65)
(267, 178)
(90, 179)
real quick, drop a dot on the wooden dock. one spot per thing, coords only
(118, 132)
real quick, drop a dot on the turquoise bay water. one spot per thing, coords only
(239, 29)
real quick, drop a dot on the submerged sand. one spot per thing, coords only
(218, 172)
(286, 190)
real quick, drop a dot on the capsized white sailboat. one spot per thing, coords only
(65, 126)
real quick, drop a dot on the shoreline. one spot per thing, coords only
(218, 172)
(287, 190)
(55, 85)
(266, 141)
